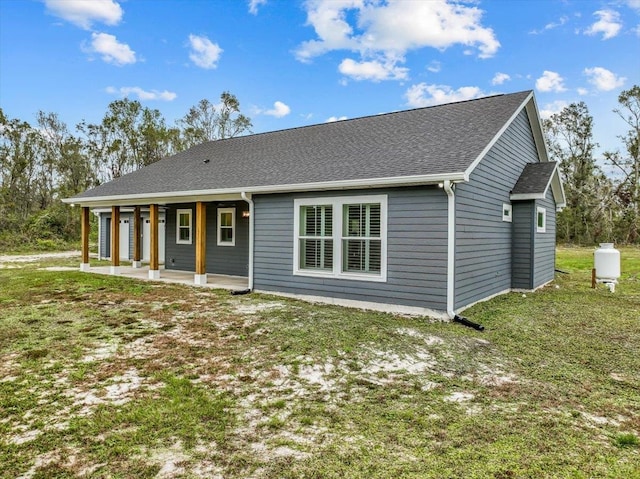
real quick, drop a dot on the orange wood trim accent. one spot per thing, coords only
(115, 236)
(201, 238)
(137, 253)
(85, 234)
(154, 260)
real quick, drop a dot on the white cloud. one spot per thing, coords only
(551, 26)
(422, 95)
(372, 70)
(434, 67)
(634, 4)
(552, 108)
(279, 110)
(550, 81)
(143, 95)
(603, 79)
(111, 50)
(583, 91)
(84, 13)
(383, 32)
(204, 53)
(499, 78)
(609, 24)
(331, 119)
(254, 4)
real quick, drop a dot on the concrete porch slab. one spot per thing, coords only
(173, 276)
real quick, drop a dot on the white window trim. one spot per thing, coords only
(543, 228)
(509, 216)
(190, 214)
(337, 203)
(221, 211)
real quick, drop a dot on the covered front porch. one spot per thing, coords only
(208, 243)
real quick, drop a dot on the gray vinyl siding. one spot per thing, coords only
(523, 228)
(545, 244)
(416, 250)
(179, 256)
(105, 240)
(230, 260)
(483, 240)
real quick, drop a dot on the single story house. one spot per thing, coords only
(428, 210)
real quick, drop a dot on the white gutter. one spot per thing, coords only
(229, 193)
(451, 247)
(247, 197)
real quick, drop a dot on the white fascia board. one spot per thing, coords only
(558, 190)
(127, 209)
(536, 128)
(527, 196)
(228, 194)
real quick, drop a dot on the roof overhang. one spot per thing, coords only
(229, 194)
(556, 188)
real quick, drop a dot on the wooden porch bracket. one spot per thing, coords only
(154, 268)
(201, 243)
(115, 240)
(137, 250)
(84, 266)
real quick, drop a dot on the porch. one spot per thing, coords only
(215, 281)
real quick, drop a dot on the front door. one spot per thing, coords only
(146, 240)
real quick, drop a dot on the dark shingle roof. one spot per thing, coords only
(435, 140)
(535, 178)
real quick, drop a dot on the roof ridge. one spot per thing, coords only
(252, 135)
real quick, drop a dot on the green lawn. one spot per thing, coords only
(108, 377)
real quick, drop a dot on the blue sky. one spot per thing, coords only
(294, 63)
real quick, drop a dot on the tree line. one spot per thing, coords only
(603, 198)
(41, 164)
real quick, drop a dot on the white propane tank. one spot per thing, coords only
(607, 264)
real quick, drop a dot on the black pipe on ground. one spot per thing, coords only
(240, 291)
(466, 322)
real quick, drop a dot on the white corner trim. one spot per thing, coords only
(366, 305)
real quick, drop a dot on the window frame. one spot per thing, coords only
(189, 213)
(322, 238)
(509, 216)
(337, 203)
(219, 227)
(541, 211)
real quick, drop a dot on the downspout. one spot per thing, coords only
(247, 197)
(451, 247)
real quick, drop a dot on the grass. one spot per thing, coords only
(110, 377)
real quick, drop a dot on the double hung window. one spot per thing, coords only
(226, 226)
(343, 237)
(183, 227)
